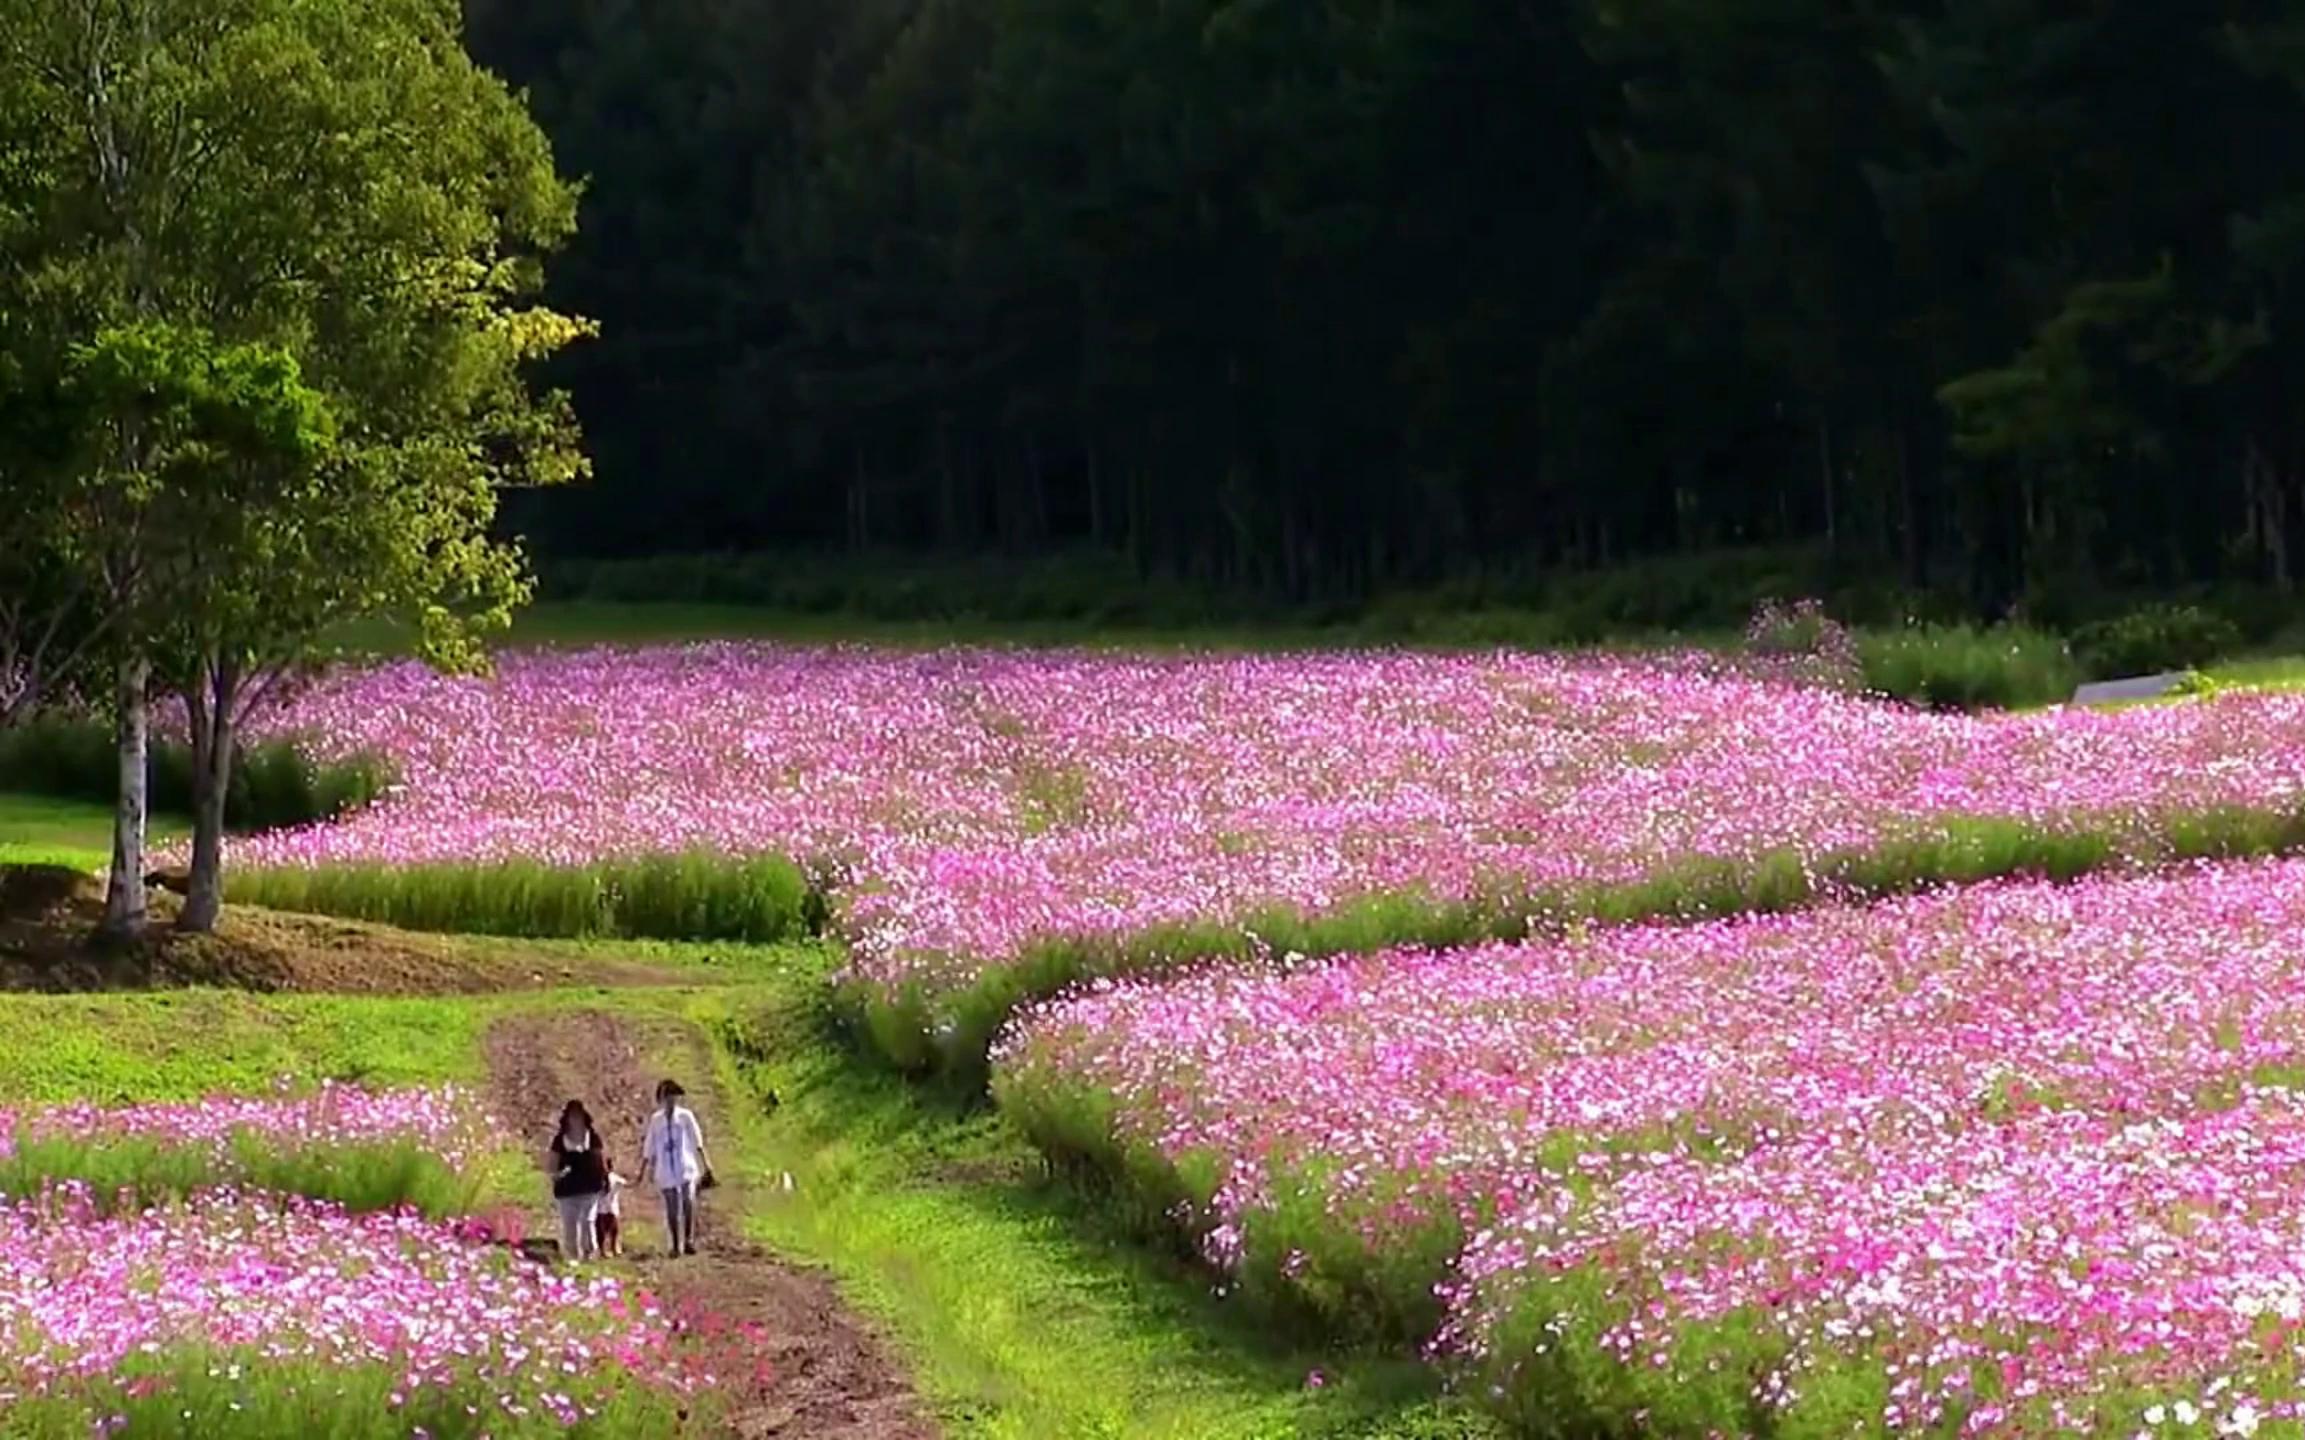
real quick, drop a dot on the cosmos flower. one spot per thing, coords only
(973, 805)
(2044, 1133)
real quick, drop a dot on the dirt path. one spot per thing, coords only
(834, 1379)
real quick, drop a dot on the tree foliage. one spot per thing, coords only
(1327, 298)
(268, 273)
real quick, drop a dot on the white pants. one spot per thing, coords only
(579, 1240)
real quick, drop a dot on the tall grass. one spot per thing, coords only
(1961, 667)
(1307, 1263)
(693, 896)
(919, 1029)
(123, 1172)
(274, 782)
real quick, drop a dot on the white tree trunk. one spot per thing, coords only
(124, 892)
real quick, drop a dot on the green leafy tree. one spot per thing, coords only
(284, 255)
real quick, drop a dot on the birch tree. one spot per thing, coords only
(335, 184)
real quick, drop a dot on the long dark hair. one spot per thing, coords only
(576, 1108)
(668, 1089)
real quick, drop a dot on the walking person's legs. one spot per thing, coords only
(578, 1241)
(680, 1219)
(568, 1237)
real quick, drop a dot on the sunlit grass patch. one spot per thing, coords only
(47, 830)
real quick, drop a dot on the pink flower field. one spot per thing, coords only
(228, 1308)
(446, 1123)
(2012, 1158)
(985, 811)
(430, 1149)
(194, 1269)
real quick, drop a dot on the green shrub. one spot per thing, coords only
(668, 897)
(1960, 667)
(2154, 639)
(274, 782)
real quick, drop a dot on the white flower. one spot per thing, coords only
(2155, 1414)
(2242, 1422)
(2186, 1412)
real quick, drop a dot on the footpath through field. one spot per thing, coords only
(834, 1379)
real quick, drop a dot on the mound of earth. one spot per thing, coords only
(831, 1378)
(49, 914)
(32, 893)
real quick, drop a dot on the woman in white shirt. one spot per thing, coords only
(673, 1151)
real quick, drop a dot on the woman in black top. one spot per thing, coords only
(579, 1170)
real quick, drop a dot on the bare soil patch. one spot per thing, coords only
(48, 914)
(834, 1379)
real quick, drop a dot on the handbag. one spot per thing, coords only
(706, 1182)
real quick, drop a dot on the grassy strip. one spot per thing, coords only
(1027, 1307)
(759, 899)
(921, 1029)
(194, 1393)
(1307, 1265)
(187, 1044)
(2271, 672)
(145, 1172)
(579, 623)
(43, 830)
(274, 782)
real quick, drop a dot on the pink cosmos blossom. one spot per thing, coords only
(445, 1121)
(974, 803)
(2046, 1130)
(272, 1280)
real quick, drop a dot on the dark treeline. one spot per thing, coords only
(1995, 295)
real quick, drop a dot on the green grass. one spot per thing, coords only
(184, 1044)
(760, 899)
(174, 1045)
(561, 624)
(1024, 1309)
(1029, 1308)
(45, 830)
(145, 1172)
(2267, 672)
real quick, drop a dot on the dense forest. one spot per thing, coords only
(1326, 298)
